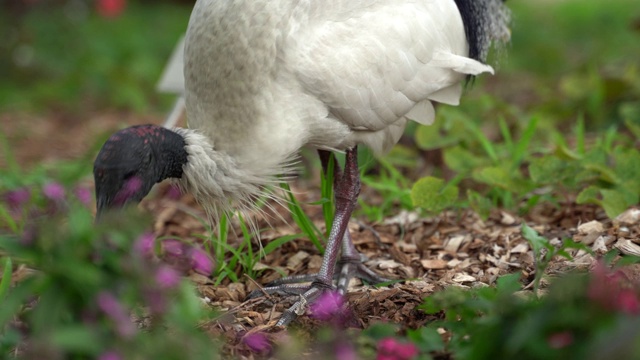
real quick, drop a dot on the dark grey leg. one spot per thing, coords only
(346, 191)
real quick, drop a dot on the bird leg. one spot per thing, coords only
(350, 263)
(347, 189)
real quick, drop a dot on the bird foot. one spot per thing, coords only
(350, 268)
(297, 285)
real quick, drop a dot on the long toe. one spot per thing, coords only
(354, 268)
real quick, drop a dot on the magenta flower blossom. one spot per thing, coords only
(17, 198)
(328, 306)
(114, 310)
(173, 247)
(111, 8)
(130, 187)
(345, 351)
(173, 193)
(391, 349)
(613, 290)
(201, 262)
(257, 342)
(110, 355)
(167, 277)
(53, 191)
(627, 301)
(144, 244)
(560, 340)
(83, 194)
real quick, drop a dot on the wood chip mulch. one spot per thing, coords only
(455, 248)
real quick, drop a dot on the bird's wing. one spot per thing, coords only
(373, 62)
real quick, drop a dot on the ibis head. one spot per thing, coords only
(133, 160)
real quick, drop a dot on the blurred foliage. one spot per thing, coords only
(63, 55)
(581, 317)
(563, 120)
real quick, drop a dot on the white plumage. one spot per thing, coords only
(264, 79)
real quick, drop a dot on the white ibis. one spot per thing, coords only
(264, 78)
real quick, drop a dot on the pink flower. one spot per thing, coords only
(627, 301)
(257, 342)
(328, 306)
(560, 340)
(173, 193)
(130, 187)
(391, 349)
(613, 290)
(83, 194)
(53, 191)
(144, 244)
(114, 310)
(167, 277)
(201, 262)
(173, 247)
(345, 351)
(17, 198)
(111, 8)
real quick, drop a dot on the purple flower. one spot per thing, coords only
(83, 194)
(53, 191)
(155, 300)
(173, 193)
(130, 187)
(144, 244)
(167, 277)
(345, 351)
(391, 349)
(328, 306)
(18, 197)
(613, 290)
(110, 355)
(113, 309)
(173, 247)
(257, 342)
(201, 262)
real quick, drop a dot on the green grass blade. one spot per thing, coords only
(274, 244)
(5, 283)
(486, 144)
(523, 144)
(580, 135)
(506, 133)
(302, 220)
(326, 191)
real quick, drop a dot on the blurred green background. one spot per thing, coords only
(71, 57)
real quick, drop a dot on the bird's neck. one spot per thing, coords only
(214, 178)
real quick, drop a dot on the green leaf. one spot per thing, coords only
(615, 201)
(427, 339)
(431, 138)
(500, 176)
(508, 284)
(523, 144)
(627, 168)
(479, 203)
(432, 194)
(77, 338)
(5, 283)
(590, 195)
(536, 241)
(462, 160)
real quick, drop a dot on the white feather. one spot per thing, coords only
(265, 78)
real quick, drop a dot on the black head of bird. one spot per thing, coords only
(132, 161)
